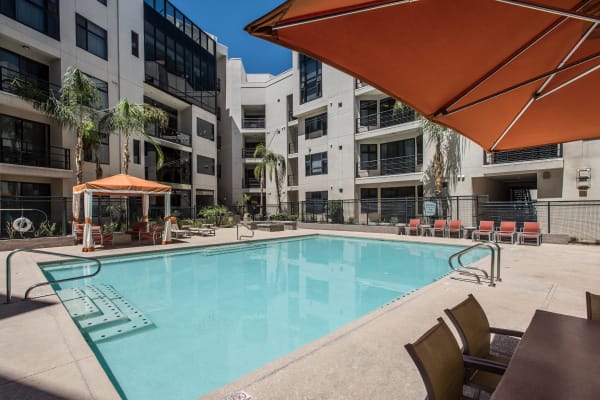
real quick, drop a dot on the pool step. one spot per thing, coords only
(101, 312)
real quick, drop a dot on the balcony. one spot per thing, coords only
(172, 135)
(53, 157)
(27, 85)
(384, 119)
(389, 166)
(253, 123)
(546, 152)
(292, 180)
(359, 84)
(248, 152)
(292, 148)
(251, 183)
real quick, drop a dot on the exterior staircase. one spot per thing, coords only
(101, 312)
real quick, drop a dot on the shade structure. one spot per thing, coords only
(505, 73)
(119, 185)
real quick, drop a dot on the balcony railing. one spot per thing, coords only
(171, 135)
(26, 85)
(251, 183)
(384, 119)
(292, 180)
(529, 154)
(248, 152)
(53, 157)
(253, 123)
(389, 166)
(290, 115)
(292, 148)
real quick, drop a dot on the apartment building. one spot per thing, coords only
(145, 51)
(344, 139)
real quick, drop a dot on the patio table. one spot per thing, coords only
(558, 358)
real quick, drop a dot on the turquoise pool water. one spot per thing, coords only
(221, 312)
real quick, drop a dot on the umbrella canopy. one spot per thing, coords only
(122, 185)
(505, 73)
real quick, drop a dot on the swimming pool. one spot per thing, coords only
(180, 324)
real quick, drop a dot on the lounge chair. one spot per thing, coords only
(475, 331)
(592, 302)
(439, 226)
(455, 227)
(531, 232)
(444, 369)
(138, 226)
(508, 230)
(486, 228)
(413, 226)
(155, 232)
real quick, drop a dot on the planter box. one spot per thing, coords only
(36, 243)
(352, 228)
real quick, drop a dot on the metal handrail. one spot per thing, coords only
(8, 275)
(494, 260)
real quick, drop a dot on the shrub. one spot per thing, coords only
(279, 217)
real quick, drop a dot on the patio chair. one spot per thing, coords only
(486, 228)
(531, 232)
(455, 227)
(475, 331)
(155, 232)
(413, 226)
(439, 226)
(78, 233)
(592, 302)
(508, 230)
(101, 238)
(138, 226)
(443, 368)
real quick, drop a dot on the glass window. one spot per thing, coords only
(316, 164)
(137, 159)
(368, 200)
(25, 142)
(103, 152)
(310, 78)
(102, 87)
(205, 165)
(135, 44)
(368, 113)
(91, 37)
(41, 15)
(205, 129)
(401, 157)
(368, 156)
(316, 126)
(316, 202)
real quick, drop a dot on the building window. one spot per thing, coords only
(402, 156)
(41, 15)
(205, 129)
(135, 44)
(102, 1)
(368, 113)
(368, 200)
(316, 202)
(91, 37)
(14, 66)
(316, 164)
(310, 78)
(205, 165)
(103, 151)
(137, 159)
(368, 156)
(316, 126)
(102, 87)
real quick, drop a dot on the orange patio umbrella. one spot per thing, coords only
(505, 73)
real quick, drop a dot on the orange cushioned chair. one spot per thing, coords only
(486, 228)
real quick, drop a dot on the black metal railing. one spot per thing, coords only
(171, 135)
(384, 119)
(157, 75)
(529, 154)
(292, 148)
(251, 183)
(253, 123)
(390, 166)
(26, 85)
(292, 180)
(248, 152)
(52, 157)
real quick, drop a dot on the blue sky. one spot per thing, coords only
(226, 19)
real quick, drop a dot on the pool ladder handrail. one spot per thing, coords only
(495, 258)
(8, 269)
(237, 230)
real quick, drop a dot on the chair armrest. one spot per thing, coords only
(483, 364)
(506, 332)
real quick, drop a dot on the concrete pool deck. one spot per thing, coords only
(43, 355)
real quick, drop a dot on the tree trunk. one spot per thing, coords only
(79, 159)
(438, 167)
(99, 171)
(278, 192)
(261, 181)
(126, 155)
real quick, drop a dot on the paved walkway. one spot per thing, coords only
(43, 355)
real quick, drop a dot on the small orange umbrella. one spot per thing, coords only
(505, 73)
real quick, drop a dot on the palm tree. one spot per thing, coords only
(131, 119)
(259, 173)
(74, 107)
(92, 143)
(275, 164)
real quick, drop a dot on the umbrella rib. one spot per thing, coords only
(552, 10)
(567, 83)
(523, 83)
(337, 14)
(512, 123)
